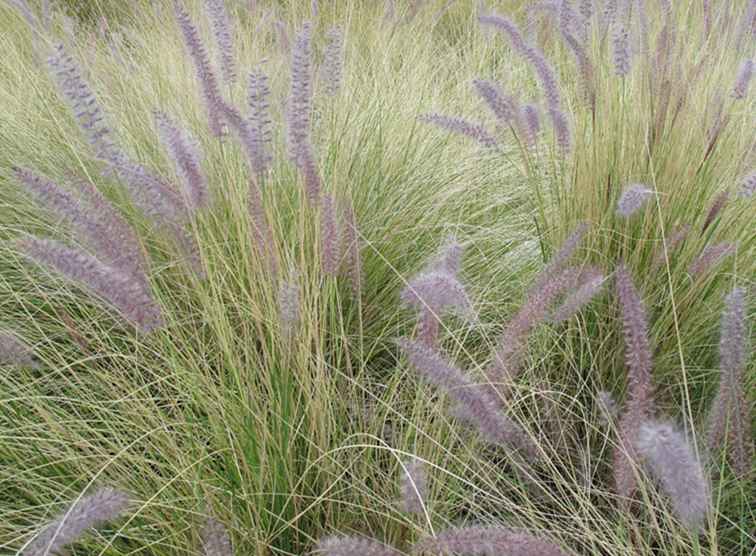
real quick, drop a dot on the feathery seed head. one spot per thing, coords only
(745, 73)
(464, 127)
(350, 545)
(215, 539)
(633, 197)
(414, 486)
(486, 541)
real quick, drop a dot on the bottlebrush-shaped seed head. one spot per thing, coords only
(591, 283)
(463, 127)
(669, 457)
(748, 186)
(215, 539)
(100, 507)
(333, 61)
(414, 486)
(745, 74)
(330, 236)
(633, 197)
(486, 541)
(710, 256)
(344, 545)
(223, 31)
(14, 351)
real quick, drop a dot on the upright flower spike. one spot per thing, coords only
(743, 80)
(633, 197)
(352, 247)
(333, 61)
(223, 31)
(486, 541)
(258, 95)
(729, 418)
(289, 305)
(590, 282)
(90, 511)
(472, 402)
(463, 127)
(667, 454)
(215, 539)
(532, 121)
(205, 75)
(330, 244)
(14, 351)
(414, 487)
(185, 153)
(349, 545)
(122, 291)
(716, 207)
(502, 106)
(639, 404)
(748, 186)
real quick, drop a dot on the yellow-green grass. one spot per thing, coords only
(285, 440)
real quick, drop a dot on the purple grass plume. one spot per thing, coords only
(748, 186)
(560, 258)
(678, 235)
(82, 101)
(205, 75)
(486, 541)
(289, 305)
(259, 122)
(344, 545)
(743, 80)
(299, 110)
(716, 207)
(15, 352)
(224, 32)
(105, 504)
(591, 282)
(608, 408)
(532, 120)
(500, 104)
(352, 247)
(639, 403)
(463, 127)
(709, 257)
(436, 290)
(473, 403)
(632, 199)
(96, 222)
(414, 487)
(121, 290)
(330, 236)
(215, 539)
(333, 61)
(185, 152)
(671, 460)
(729, 419)
(621, 50)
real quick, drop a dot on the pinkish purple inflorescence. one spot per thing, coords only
(330, 244)
(670, 459)
(639, 403)
(748, 186)
(591, 282)
(464, 127)
(205, 75)
(349, 546)
(90, 511)
(215, 539)
(532, 121)
(352, 248)
(742, 82)
(633, 197)
(259, 122)
(486, 541)
(186, 155)
(289, 305)
(709, 257)
(333, 61)
(223, 31)
(414, 487)
(677, 236)
(473, 403)
(716, 207)
(500, 104)
(126, 293)
(14, 351)
(730, 417)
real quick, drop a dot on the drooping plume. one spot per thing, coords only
(186, 155)
(90, 511)
(223, 31)
(501, 105)
(486, 541)
(122, 291)
(215, 539)
(414, 486)
(473, 403)
(639, 403)
(729, 419)
(350, 545)
(463, 127)
(669, 457)
(633, 197)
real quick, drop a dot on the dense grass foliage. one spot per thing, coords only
(235, 235)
